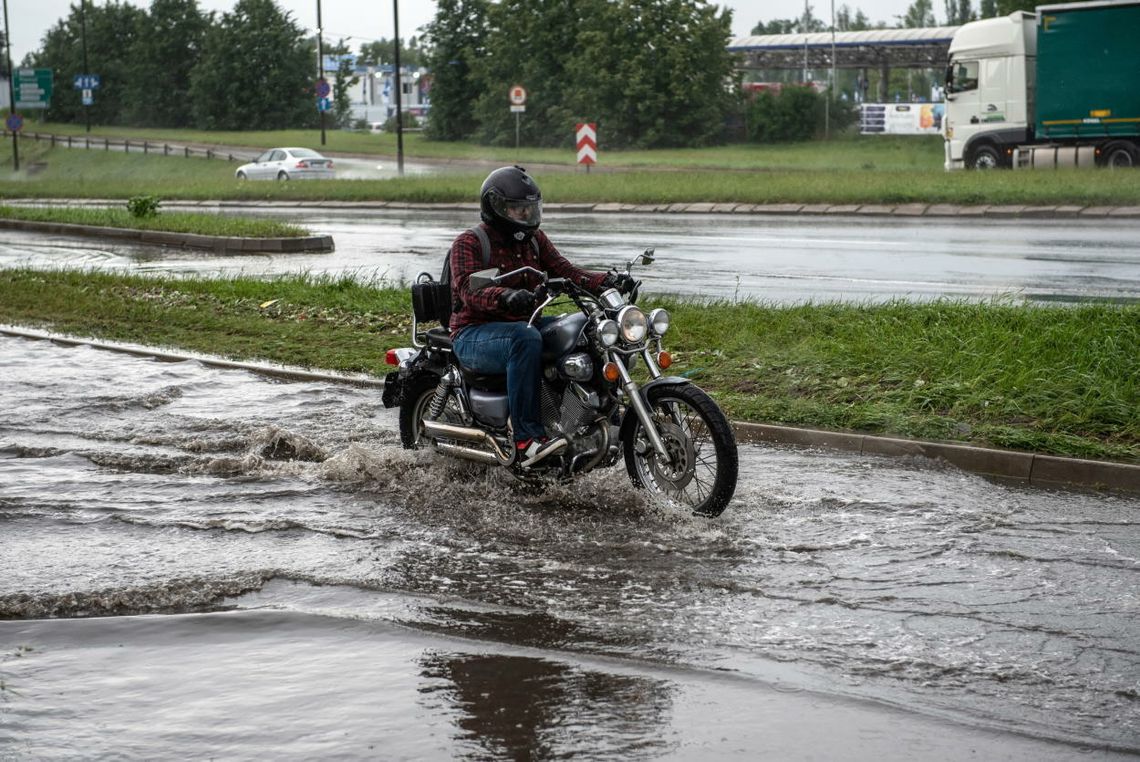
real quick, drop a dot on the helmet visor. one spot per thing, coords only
(527, 214)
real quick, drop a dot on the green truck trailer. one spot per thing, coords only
(1058, 87)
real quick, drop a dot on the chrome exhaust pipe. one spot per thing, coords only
(436, 429)
(480, 456)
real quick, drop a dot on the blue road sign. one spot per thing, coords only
(86, 81)
(15, 122)
(323, 104)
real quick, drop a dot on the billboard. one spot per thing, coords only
(901, 118)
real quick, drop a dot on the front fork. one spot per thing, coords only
(640, 408)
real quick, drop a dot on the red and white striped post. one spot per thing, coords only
(586, 138)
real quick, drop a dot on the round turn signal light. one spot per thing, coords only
(610, 372)
(664, 359)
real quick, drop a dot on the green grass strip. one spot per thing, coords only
(78, 173)
(1060, 380)
(174, 222)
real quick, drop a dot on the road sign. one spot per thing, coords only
(87, 82)
(88, 98)
(323, 104)
(323, 89)
(586, 138)
(518, 109)
(33, 88)
(518, 96)
(14, 122)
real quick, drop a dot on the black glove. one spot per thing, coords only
(623, 282)
(517, 301)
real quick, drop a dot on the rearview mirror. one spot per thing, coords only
(482, 279)
(647, 256)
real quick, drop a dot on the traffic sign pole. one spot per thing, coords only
(11, 90)
(517, 97)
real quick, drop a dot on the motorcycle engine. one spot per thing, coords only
(563, 411)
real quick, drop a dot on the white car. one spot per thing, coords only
(287, 164)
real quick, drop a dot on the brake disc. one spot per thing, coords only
(678, 472)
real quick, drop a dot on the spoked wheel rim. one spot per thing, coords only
(689, 478)
(420, 411)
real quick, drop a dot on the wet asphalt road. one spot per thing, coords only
(205, 561)
(772, 258)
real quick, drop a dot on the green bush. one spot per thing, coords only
(144, 206)
(795, 113)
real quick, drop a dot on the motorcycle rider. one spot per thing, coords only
(489, 328)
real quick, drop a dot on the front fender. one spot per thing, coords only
(630, 417)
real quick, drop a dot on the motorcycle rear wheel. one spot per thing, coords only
(701, 474)
(414, 408)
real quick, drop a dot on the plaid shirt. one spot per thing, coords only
(482, 306)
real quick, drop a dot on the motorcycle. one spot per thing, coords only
(674, 439)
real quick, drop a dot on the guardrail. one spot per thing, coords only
(126, 144)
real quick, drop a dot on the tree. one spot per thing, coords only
(344, 79)
(654, 73)
(845, 22)
(167, 47)
(987, 9)
(457, 43)
(111, 29)
(383, 51)
(256, 72)
(919, 15)
(776, 26)
(958, 12)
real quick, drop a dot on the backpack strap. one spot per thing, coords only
(484, 241)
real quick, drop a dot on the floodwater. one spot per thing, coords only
(205, 562)
(781, 259)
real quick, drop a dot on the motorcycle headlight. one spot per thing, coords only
(633, 325)
(659, 321)
(608, 332)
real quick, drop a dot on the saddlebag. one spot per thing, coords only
(431, 301)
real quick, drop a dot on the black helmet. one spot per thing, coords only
(511, 202)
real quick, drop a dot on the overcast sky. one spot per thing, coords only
(360, 21)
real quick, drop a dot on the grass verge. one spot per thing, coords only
(174, 222)
(1056, 380)
(79, 173)
(849, 152)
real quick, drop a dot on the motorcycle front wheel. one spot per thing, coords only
(700, 475)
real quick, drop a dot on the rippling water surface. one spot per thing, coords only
(206, 559)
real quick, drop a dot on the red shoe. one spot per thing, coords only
(531, 451)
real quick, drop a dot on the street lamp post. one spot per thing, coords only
(11, 89)
(399, 93)
(86, 68)
(320, 64)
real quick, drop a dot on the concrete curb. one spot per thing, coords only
(216, 244)
(1031, 468)
(903, 211)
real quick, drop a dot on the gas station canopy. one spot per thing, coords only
(873, 48)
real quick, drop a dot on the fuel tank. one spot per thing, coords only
(560, 335)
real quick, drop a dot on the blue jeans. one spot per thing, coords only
(513, 348)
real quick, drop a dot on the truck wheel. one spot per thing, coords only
(985, 157)
(1119, 156)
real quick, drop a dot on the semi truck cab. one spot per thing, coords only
(1055, 88)
(989, 91)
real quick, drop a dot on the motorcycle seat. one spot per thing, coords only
(488, 382)
(439, 337)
